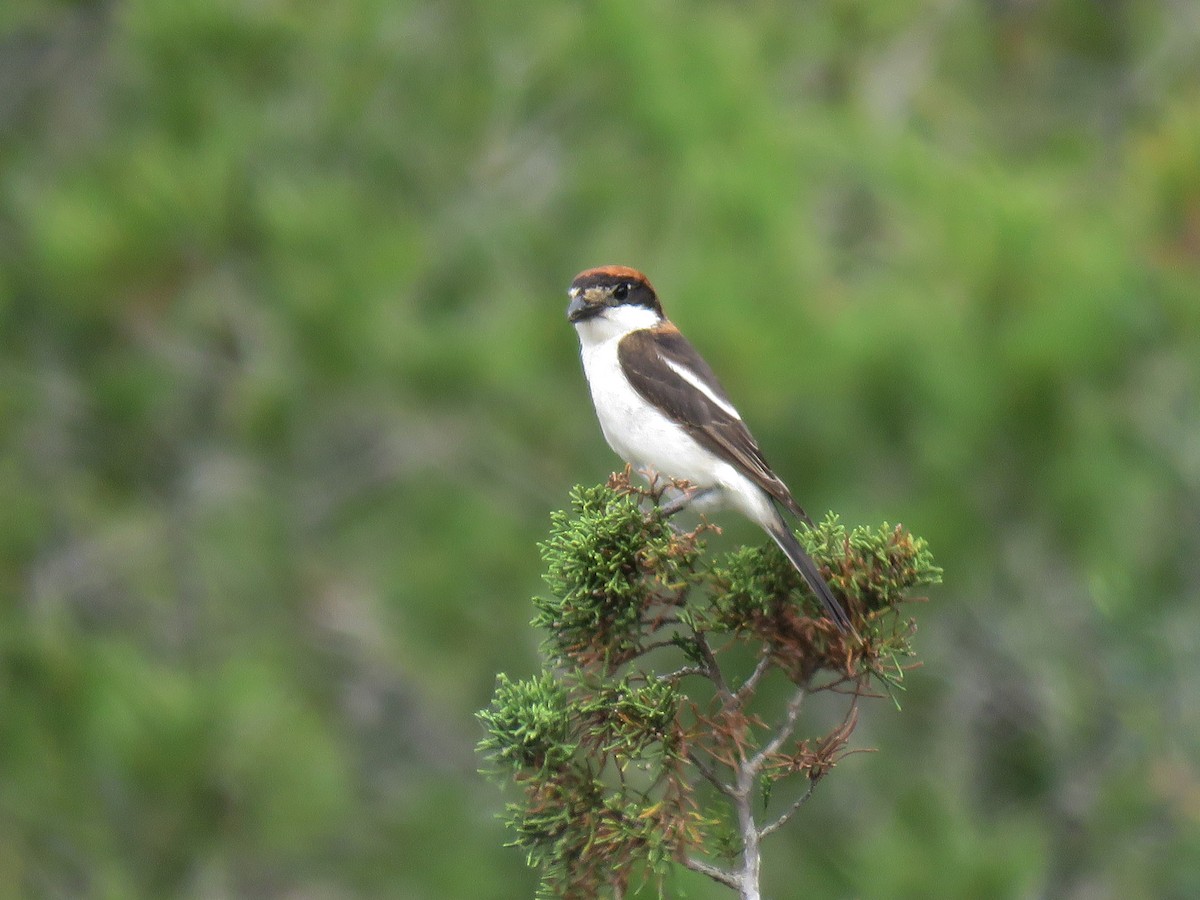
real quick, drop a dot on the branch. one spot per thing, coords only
(682, 673)
(716, 873)
(711, 776)
(752, 681)
(785, 731)
(655, 624)
(858, 682)
(712, 669)
(652, 646)
(791, 810)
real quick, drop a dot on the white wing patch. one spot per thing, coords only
(699, 384)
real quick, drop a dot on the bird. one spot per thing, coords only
(662, 409)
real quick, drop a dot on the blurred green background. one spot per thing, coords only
(287, 396)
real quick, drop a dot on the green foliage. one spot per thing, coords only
(874, 565)
(528, 724)
(572, 737)
(610, 751)
(603, 570)
(563, 743)
(630, 718)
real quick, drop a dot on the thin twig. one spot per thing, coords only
(653, 645)
(712, 669)
(785, 730)
(711, 776)
(658, 623)
(791, 811)
(716, 873)
(683, 673)
(837, 682)
(752, 681)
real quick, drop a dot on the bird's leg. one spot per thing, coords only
(685, 497)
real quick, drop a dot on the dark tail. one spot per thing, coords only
(804, 564)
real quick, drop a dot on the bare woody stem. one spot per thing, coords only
(751, 683)
(716, 873)
(747, 876)
(745, 879)
(745, 781)
(786, 730)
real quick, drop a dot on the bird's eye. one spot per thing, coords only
(621, 291)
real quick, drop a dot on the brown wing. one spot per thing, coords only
(644, 357)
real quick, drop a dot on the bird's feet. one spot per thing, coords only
(687, 496)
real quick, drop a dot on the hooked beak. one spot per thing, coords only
(581, 308)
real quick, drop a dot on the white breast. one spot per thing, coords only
(636, 430)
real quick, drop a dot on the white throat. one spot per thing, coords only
(614, 323)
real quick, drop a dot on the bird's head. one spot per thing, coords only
(612, 299)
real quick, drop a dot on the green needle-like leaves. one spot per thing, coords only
(637, 749)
